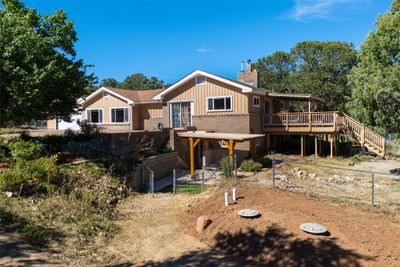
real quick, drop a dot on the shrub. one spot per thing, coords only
(29, 177)
(25, 150)
(226, 167)
(88, 129)
(4, 150)
(250, 166)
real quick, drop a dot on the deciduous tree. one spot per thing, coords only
(40, 76)
(376, 79)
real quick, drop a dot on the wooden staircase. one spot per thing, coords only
(365, 136)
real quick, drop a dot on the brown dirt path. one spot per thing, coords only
(358, 237)
(151, 230)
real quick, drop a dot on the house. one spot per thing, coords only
(123, 110)
(208, 102)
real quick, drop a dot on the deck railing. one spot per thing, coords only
(337, 120)
(301, 119)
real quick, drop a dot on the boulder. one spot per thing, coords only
(281, 177)
(202, 223)
(8, 193)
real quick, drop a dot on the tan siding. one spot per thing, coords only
(154, 111)
(198, 94)
(52, 124)
(106, 103)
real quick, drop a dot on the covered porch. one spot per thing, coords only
(228, 139)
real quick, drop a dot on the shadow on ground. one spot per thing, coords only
(22, 241)
(274, 247)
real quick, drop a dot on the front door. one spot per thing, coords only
(181, 115)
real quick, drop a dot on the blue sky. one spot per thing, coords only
(169, 39)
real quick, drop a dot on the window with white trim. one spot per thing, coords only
(94, 115)
(256, 101)
(200, 80)
(119, 115)
(105, 94)
(219, 103)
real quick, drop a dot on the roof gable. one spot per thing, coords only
(246, 88)
(130, 96)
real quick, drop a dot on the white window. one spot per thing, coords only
(256, 101)
(200, 80)
(94, 115)
(120, 115)
(219, 103)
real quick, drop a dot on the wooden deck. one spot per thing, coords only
(330, 123)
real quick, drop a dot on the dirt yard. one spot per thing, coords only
(357, 237)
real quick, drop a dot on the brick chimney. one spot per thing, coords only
(248, 75)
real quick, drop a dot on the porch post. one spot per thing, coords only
(309, 105)
(316, 145)
(302, 145)
(191, 151)
(331, 141)
(231, 147)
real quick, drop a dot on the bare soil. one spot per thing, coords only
(357, 237)
(151, 231)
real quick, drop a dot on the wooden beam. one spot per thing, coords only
(316, 145)
(191, 151)
(196, 142)
(331, 141)
(231, 148)
(302, 145)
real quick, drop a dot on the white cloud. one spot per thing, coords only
(321, 9)
(203, 50)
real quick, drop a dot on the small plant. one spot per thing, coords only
(88, 129)
(25, 150)
(250, 166)
(226, 167)
(360, 158)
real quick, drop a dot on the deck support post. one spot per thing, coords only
(320, 144)
(331, 143)
(192, 144)
(302, 145)
(316, 145)
(231, 147)
(191, 151)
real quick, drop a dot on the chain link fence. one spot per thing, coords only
(338, 183)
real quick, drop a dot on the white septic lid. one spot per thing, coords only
(313, 228)
(248, 213)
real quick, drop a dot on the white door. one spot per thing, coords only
(73, 125)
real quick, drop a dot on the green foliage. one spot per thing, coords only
(375, 100)
(393, 148)
(88, 129)
(110, 82)
(138, 81)
(37, 58)
(226, 167)
(312, 67)
(25, 150)
(250, 166)
(360, 158)
(275, 71)
(30, 177)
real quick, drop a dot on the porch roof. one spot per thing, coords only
(298, 97)
(220, 136)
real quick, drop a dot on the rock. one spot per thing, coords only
(8, 193)
(296, 169)
(202, 223)
(281, 177)
(312, 176)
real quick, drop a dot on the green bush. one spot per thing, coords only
(250, 166)
(226, 167)
(25, 150)
(4, 150)
(29, 177)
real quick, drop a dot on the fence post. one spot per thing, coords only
(152, 183)
(273, 173)
(235, 167)
(373, 190)
(174, 181)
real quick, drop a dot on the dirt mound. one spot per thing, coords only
(356, 237)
